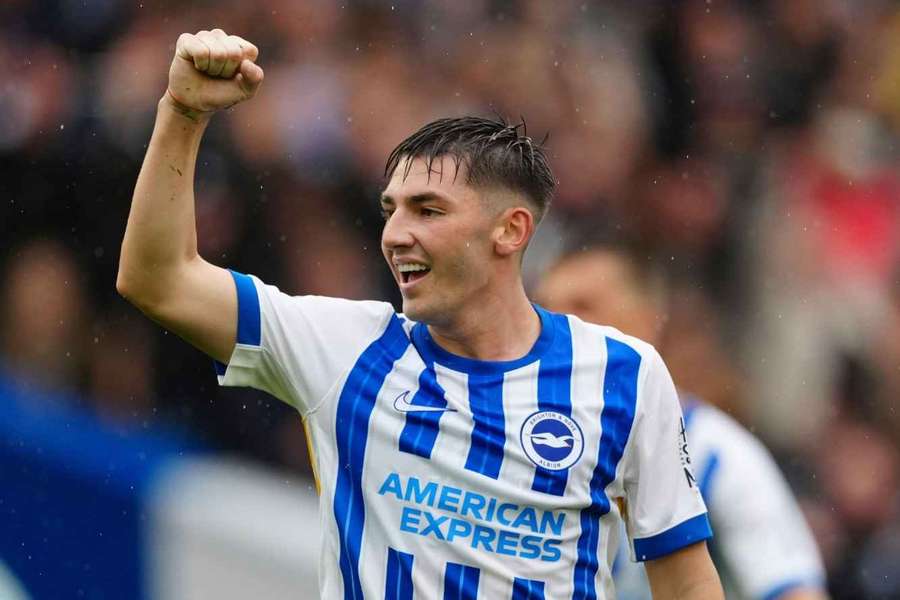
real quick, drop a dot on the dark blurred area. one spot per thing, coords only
(747, 147)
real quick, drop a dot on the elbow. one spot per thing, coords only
(136, 290)
(148, 288)
(122, 285)
(126, 285)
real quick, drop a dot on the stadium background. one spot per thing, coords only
(749, 148)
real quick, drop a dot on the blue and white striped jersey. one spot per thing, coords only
(447, 477)
(763, 547)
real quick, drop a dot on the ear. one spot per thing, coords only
(514, 228)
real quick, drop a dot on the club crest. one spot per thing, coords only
(551, 440)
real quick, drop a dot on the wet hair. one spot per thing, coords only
(495, 154)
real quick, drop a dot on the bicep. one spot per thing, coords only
(201, 307)
(687, 573)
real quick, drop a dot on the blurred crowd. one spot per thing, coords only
(748, 147)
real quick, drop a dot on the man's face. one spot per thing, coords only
(598, 288)
(437, 240)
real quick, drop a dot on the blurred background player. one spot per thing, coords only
(762, 546)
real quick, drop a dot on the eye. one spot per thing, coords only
(386, 214)
(431, 212)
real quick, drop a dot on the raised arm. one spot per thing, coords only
(160, 270)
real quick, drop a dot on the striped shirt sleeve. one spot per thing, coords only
(297, 347)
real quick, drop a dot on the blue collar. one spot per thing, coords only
(432, 352)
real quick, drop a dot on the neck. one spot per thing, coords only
(498, 328)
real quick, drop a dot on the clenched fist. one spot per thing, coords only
(212, 70)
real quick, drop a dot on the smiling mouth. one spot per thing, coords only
(415, 276)
(412, 273)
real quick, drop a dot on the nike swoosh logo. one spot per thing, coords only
(402, 404)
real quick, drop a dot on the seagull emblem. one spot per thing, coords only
(548, 439)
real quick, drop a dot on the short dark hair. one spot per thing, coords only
(494, 152)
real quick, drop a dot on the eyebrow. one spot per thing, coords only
(415, 199)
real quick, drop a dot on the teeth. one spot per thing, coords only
(410, 267)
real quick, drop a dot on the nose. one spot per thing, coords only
(397, 232)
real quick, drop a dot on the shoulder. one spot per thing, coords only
(710, 426)
(373, 306)
(274, 296)
(374, 309)
(605, 337)
(719, 443)
(305, 317)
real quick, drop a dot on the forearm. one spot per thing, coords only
(161, 235)
(687, 574)
(689, 586)
(804, 594)
(701, 589)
